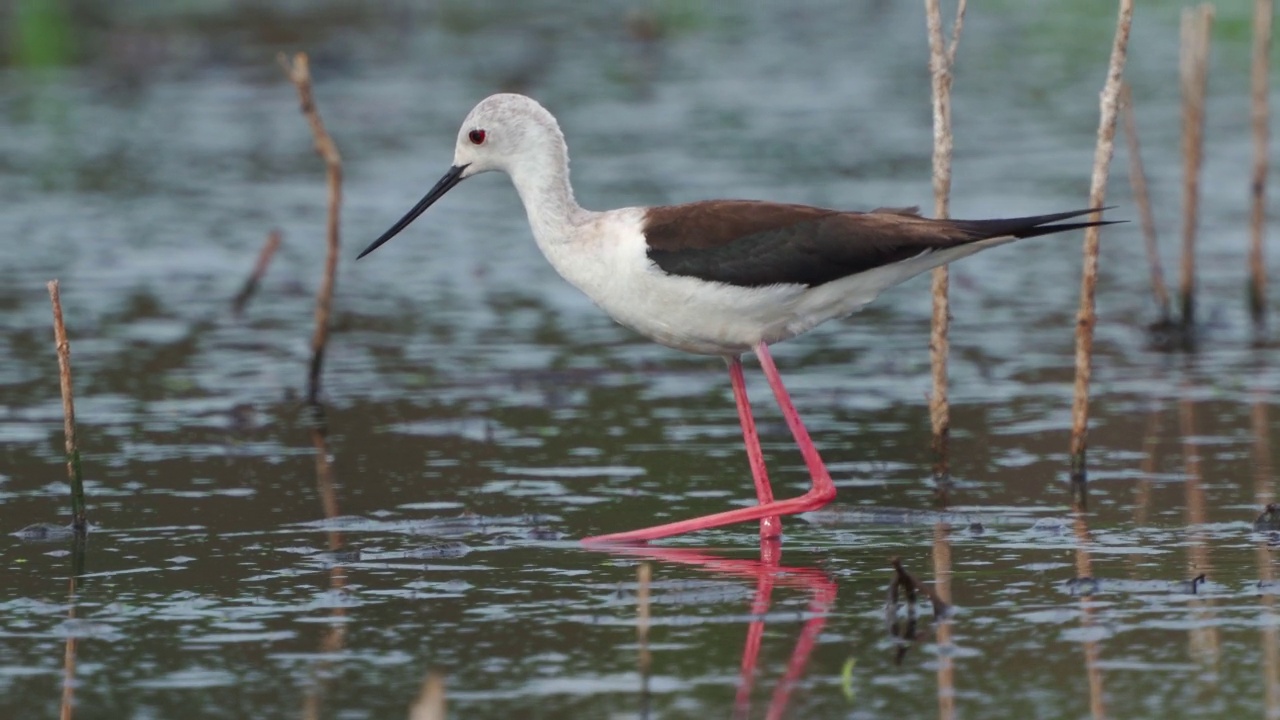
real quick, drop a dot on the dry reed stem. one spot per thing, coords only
(1263, 11)
(1086, 318)
(1203, 636)
(431, 700)
(325, 485)
(644, 576)
(335, 638)
(300, 74)
(1193, 71)
(1092, 669)
(1138, 181)
(942, 57)
(1147, 469)
(67, 704)
(74, 472)
(250, 286)
(1194, 501)
(945, 660)
(1263, 496)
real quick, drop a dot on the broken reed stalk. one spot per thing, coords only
(1086, 318)
(1263, 11)
(74, 473)
(250, 287)
(942, 57)
(1193, 71)
(1138, 181)
(299, 73)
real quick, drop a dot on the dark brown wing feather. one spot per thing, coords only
(752, 243)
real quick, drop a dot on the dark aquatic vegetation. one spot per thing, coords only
(1269, 519)
(905, 631)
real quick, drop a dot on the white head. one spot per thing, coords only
(506, 132)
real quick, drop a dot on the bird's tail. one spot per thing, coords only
(1032, 225)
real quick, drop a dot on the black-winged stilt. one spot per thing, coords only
(719, 277)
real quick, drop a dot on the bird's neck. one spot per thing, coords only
(548, 199)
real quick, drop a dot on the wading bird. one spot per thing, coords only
(717, 277)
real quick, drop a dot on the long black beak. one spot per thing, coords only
(451, 178)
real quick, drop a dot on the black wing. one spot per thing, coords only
(753, 244)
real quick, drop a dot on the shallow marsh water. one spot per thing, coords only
(482, 416)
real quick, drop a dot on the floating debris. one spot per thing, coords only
(976, 521)
(334, 559)
(544, 534)
(1093, 586)
(45, 532)
(683, 593)
(438, 551)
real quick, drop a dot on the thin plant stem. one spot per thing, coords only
(945, 661)
(1193, 69)
(74, 471)
(1086, 318)
(66, 708)
(431, 704)
(1263, 12)
(1092, 666)
(1141, 196)
(250, 286)
(299, 73)
(1204, 640)
(644, 578)
(1263, 495)
(942, 57)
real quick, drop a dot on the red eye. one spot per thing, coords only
(476, 137)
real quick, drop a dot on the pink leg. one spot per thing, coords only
(820, 493)
(769, 526)
(817, 470)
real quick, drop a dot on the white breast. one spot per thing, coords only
(606, 258)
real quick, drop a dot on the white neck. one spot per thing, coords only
(542, 180)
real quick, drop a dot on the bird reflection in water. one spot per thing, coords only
(768, 572)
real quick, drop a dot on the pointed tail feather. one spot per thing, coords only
(1031, 226)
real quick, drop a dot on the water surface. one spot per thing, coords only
(482, 416)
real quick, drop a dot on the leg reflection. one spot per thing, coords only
(768, 572)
